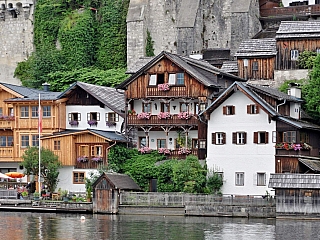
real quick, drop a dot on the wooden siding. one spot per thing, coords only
(155, 121)
(265, 69)
(287, 164)
(284, 47)
(81, 97)
(140, 88)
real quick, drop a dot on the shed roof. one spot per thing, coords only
(257, 47)
(298, 29)
(119, 181)
(293, 180)
(314, 165)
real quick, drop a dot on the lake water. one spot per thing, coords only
(26, 225)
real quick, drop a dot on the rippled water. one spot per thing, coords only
(26, 225)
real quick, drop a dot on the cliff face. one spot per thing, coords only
(16, 37)
(190, 26)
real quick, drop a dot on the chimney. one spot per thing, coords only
(46, 87)
(294, 90)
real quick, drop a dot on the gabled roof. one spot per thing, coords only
(245, 88)
(257, 47)
(294, 180)
(119, 181)
(28, 94)
(201, 70)
(108, 135)
(111, 97)
(298, 29)
(230, 66)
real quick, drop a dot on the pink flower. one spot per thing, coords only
(144, 115)
(184, 115)
(164, 115)
(164, 87)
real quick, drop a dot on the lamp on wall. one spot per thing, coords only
(174, 107)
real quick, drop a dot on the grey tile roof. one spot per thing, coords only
(30, 93)
(139, 64)
(111, 97)
(298, 29)
(275, 93)
(110, 135)
(287, 180)
(314, 165)
(119, 181)
(230, 66)
(301, 124)
(257, 47)
(201, 70)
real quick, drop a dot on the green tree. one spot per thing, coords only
(306, 59)
(49, 165)
(312, 91)
(149, 45)
(214, 182)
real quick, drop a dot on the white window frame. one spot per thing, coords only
(261, 179)
(241, 138)
(219, 138)
(239, 178)
(153, 80)
(294, 55)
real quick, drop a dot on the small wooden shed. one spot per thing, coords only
(106, 191)
(296, 193)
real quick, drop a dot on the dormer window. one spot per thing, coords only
(156, 79)
(176, 78)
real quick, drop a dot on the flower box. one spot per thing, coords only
(144, 115)
(97, 159)
(164, 115)
(185, 115)
(7, 118)
(165, 151)
(110, 124)
(82, 159)
(164, 87)
(144, 150)
(92, 122)
(74, 123)
(293, 146)
(183, 150)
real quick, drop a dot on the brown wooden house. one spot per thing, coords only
(163, 99)
(256, 59)
(293, 38)
(107, 189)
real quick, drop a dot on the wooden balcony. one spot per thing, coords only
(173, 92)
(175, 154)
(155, 121)
(89, 164)
(7, 124)
(293, 152)
(6, 152)
(304, 10)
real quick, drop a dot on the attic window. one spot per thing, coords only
(255, 66)
(294, 55)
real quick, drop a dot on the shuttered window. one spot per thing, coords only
(260, 137)
(252, 109)
(228, 110)
(218, 138)
(239, 138)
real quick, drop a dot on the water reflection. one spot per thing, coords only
(16, 226)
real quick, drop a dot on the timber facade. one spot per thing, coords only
(163, 100)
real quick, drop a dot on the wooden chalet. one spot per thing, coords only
(19, 120)
(256, 59)
(163, 99)
(294, 37)
(297, 194)
(107, 189)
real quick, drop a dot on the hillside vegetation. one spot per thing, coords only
(77, 40)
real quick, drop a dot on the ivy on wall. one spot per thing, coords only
(149, 45)
(73, 34)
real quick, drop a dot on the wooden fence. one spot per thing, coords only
(8, 193)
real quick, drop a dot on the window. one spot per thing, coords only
(228, 110)
(11, 112)
(194, 143)
(146, 107)
(261, 179)
(165, 107)
(161, 143)
(24, 141)
(183, 107)
(294, 55)
(34, 112)
(142, 142)
(252, 109)
(84, 151)
(180, 79)
(6, 141)
(1, 112)
(56, 145)
(239, 178)
(24, 112)
(96, 151)
(202, 144)
(78, 177)
(289, 136)
(239, 138)
(93, 116)
(260, 137)
(255, 66)
(304, 137)
(153, 80)
(46, 111)
(35, 140)
(112, 117)
(218, 138)
(176, 79)
(74, 116)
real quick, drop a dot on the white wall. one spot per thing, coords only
(83, 124)
(249, 158)
(286, 2)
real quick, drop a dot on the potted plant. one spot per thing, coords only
(24, 194)
(36, 196)
(64, 195)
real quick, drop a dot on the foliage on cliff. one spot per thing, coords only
(82, 38)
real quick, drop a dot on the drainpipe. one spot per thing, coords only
(107, 150)
(284, 102)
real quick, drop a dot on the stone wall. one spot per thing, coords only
(16, 37)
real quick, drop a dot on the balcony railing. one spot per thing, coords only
(173, 92)
(175, 154)
(155, 121)
(305, 10)
(6, 152)
(7, 124)
(89, 164)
